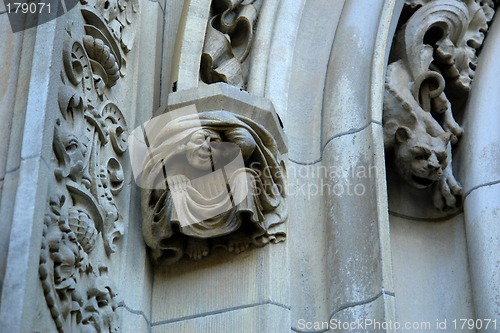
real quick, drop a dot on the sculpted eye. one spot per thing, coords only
(421, 153)
(102, 302)
(422, 156)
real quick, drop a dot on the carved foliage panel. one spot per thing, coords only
(84, 223)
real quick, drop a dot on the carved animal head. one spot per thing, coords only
(420, 158)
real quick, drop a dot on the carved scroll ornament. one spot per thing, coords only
(433, 63)
(228, 41)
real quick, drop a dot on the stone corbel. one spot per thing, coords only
(211, 165)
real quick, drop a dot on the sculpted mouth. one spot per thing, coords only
(422, 181)
(204, 154)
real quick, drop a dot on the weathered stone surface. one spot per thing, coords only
(309, 71)
(371, 314)
(132, 322)
(483, 239)
(322, 65)
(25, 203)
(253, 277)
(479, 156)
(250, 318)
(345, 138)
(193, 31)
(425, 254)
(350, 240)
(20, 283)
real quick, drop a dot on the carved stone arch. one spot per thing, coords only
(359, 243)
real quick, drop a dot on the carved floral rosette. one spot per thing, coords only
(432, 65)
(83, 222)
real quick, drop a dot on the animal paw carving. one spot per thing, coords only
(447, 192)
(441, 105)
(451, 126)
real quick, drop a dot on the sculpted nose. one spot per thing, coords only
(434, 167)
(433, 163)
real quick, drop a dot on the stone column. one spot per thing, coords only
(480, 171)
(339, 226)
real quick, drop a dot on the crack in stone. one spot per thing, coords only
(351, 131)
(216, 312)
(347, 306)
(495, 182)
(427, 219)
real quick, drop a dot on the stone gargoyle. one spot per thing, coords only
(420, 143)
(432, 65)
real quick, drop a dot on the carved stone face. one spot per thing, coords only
(98, 311)
(420, 159)
(70, 151)
(200, 153)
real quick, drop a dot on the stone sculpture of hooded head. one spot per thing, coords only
(214, 179)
